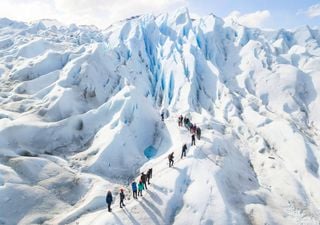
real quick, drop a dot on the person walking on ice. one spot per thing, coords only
(144, 180)
(134, 189)
(184, 151)
(162, 116)
(180, 119)
(149, 175)
(193, 139)
(185, 121)
(193, 129)
(198, 133)
(140, 188)
(109, 200)
(170, 157)
(122, 197)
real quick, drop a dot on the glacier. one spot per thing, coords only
(79, 106)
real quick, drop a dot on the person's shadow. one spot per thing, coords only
(131, 218)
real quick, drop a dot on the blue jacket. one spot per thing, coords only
(109, 198)
(134, 186)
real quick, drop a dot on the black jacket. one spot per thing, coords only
(149, 173)
(184, 147)
(143, 178)
(122, 196)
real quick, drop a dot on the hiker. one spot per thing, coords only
(140, 188)
(122, 197)
(149, 175)
(180, 119)
(170, 157)
(198, 133)
(189, 126)
(134, 189)
(109, 200)
(193, 129)
(144, 180)
(162, 116)
(185, 121)
(193, 139)
(184, 151)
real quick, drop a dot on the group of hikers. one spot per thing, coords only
(137, 188)
(144, 179)
(194, 130)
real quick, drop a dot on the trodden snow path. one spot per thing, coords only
(170, 192)
(188, 188)
(173, 191)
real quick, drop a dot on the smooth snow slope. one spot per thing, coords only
(78, 107)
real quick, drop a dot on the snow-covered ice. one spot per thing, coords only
(80, 114)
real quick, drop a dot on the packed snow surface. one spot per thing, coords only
(80, 114)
